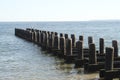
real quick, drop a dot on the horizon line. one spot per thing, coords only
(65, 20)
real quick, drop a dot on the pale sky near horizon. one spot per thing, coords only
(59, 10)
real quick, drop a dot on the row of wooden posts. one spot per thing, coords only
(106, 60)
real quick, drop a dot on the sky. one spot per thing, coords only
(59, 10)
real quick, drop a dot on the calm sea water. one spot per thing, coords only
(22, 60)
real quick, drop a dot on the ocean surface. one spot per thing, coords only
(23, 60)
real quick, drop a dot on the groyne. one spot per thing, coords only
(105, 60)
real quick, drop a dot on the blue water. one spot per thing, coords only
(22, 60)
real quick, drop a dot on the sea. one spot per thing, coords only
(23, 60)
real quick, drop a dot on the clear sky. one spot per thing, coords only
(59, 10)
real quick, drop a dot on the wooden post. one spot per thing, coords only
(61, 35)
(63, 45)
(101, 45)
(43, 41)
(52, 39)
(33, 35)
(69, 47)
(79, 61)
(109, 73)
(73, 40)
(109, 58)
(66, 41)
(66, 36)
(90, 40)
(48, 34)
(56, 33)
(92, 54)
(79, 46)
(56, 42)
(37, 36)
(30, 36)
(115, 46)
(46, 39)
(81, 38)
(40, 38)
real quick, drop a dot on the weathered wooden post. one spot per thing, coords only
(69, 47)
(29, 32)
(61, 34)
(109, 58)
(79, 62)
(92, 54)
(40, 38)
(51, 41)
(81, 38)
(92, 65)
(33, 35)
(46, 40)
(73, 40)
(37, 35)
(90, 40)
(30, 36)
(52, 36)
(109, 73)
(43, 44)
(48, 37)
(56, 46)
(69, 57)
(56, 42)
(56, 34)
(115, 46)
(66, 36)
(101, 45)
(62, 46)
(79, 46)
(66, 41)
(85, 50)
